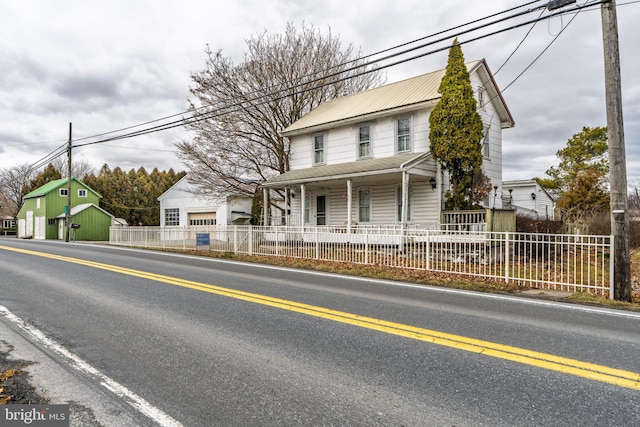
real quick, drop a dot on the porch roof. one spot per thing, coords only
(385, 165)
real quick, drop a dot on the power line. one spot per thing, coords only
(260, 100)
(263, 99)
(337, 66)
(544, 50)
(254, 102)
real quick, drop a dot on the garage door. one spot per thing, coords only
(202, 218)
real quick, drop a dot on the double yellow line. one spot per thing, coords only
(547, 361)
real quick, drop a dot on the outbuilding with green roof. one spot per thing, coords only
(43, 213)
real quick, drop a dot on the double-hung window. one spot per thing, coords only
(481, 99)
(364, 141)
(364, 205)
(485, 142)
(403, 134)
(318, 149)
(172, 216)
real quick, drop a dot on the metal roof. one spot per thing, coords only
(407, 94)
(75, 210)
(52, 185)
(379, 166)
(413, 91)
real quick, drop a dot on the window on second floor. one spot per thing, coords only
(403, 134)
(364, 141)
(63, 192)
(82, 193)
(172, 216)
(481, 98)
(318, 149)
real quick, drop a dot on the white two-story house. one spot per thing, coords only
(364, 159)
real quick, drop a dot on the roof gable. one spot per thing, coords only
(409, 94)
(54, 185)
(75, 210)
(181, 186)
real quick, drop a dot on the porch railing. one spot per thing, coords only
(573, 263)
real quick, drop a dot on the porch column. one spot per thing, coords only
(405, 198)
(349, 207)
(286, 206)
(439, 187)
(303, 200)
(265, 206)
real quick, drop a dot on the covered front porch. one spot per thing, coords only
(401, 191)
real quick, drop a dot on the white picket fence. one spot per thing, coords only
(565, 262)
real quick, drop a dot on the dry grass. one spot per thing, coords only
(427, 277)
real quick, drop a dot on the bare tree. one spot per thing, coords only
(237, 143)
(79, 168)
(13, 183)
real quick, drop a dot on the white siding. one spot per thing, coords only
(341, 146)
(179, 196)
(492, 165)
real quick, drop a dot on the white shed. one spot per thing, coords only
(180, 205)
(529, 198)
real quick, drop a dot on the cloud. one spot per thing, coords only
(108, 65)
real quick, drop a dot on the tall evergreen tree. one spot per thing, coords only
(456, 129)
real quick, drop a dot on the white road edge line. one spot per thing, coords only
(77, 363)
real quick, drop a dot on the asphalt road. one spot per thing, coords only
(205, 342)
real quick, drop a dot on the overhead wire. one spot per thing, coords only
(546, 48)
(254, 102)
(337, 66)
(274, 96)
(217, 111)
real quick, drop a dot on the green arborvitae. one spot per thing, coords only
(456, 129)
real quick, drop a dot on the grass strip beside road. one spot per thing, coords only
(547, 361)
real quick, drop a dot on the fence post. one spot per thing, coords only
(612, 267)
(185, 233)
(317, 244)
(235, 239)
(366, 246)
(428, 253)
(277, 248)
(507, 261)
(250, 240)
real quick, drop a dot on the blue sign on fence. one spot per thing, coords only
(202, 242)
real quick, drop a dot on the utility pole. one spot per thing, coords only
(617, 160)
(68, 210)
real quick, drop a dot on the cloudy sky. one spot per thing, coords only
(108, 65)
